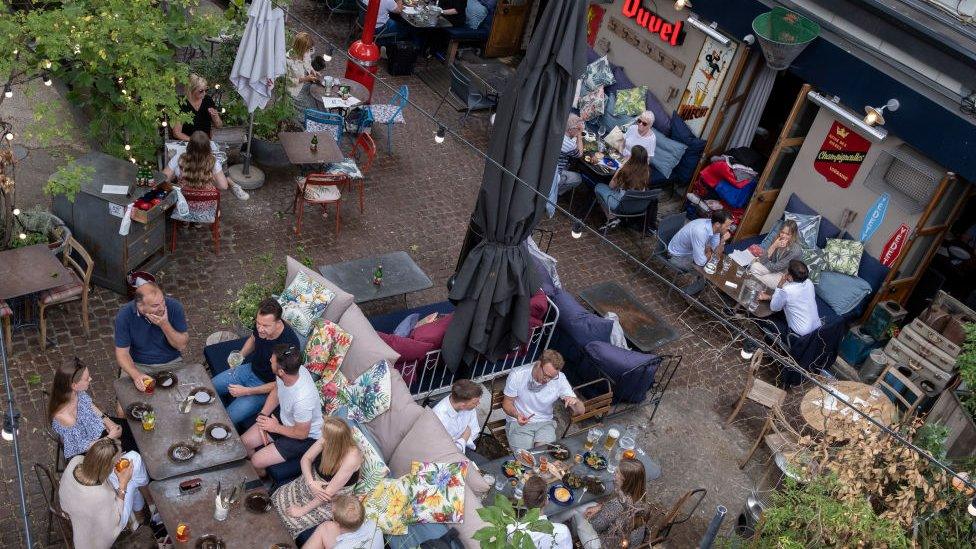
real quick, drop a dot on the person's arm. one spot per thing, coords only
(248, 347)
(566, 393)
(613, 181)
(178, 131)
(271, 402)
(473, 430)
(778, 301)
(508, 405)
(579, 144)
(128, 366)
(699, 253)
(307, 458)
(214, 114)
(175, 331)
(298, 431)
(220, 180)
(351, 462)
(602, 519)
(114, 429)
(398, 8)
(780, 264)
(259, 390)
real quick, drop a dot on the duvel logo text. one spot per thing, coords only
(670, 33)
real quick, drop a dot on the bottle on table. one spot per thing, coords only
(314, 144)
(378, 275)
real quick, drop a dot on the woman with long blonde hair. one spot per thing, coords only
(329, 468)
(300, 71)
(201, 108)
(770, 267)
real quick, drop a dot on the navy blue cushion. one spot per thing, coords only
(465, 34)
(621, 81)
(632, 372)
(696, 147)
(216, 354)
(581, 325)
(591, 55)
(388, 323)
(285, 472)
(873, 271)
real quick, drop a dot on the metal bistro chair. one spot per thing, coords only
(315, 189)
(680, 513)
(49, 486)
(319, 121)
(666, 229)
(356, 166)
(391, 113)
(496, 427)
(634, 204)
(470, 97)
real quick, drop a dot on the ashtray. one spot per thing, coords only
(136, 409)
(165, 380)
(218, 432)
(257, 502)
(210, 541)
(202, 395)
(181, 452)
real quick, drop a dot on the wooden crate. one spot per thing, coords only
(948, 411)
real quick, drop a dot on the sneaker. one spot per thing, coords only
(239, 192)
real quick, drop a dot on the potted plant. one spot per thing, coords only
(505, 527)
(240, 312)
(277, 116)
(38, 226)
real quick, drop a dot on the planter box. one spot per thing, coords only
(950, 412)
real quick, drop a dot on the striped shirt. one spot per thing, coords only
(566, 153)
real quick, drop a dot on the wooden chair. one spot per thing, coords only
(776, 433)
(204, 209)
(6, 313)
(757, 390)
(56, 516)
(677, 515)
(496, 428)
(59, 460)
(900, 390)
(313, 190)
(80, 264)
(596, 407)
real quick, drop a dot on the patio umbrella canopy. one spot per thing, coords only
(260, 60)
(496, 280)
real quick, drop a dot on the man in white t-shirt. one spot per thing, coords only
(270, 441)
(796, 297)
(530, 393)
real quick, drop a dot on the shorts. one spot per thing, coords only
(291, 448)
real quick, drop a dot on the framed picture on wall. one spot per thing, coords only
(699, 97)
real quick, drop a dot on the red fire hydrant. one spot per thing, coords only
(364, 54)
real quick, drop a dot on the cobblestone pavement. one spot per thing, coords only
(417, 199)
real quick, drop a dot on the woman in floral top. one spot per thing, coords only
(606, 524)
(75, 418)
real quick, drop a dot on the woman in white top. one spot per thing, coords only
(299, 71)
(639, 133)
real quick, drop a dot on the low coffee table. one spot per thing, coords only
(719, 280)
(642, 327)
(401, 276)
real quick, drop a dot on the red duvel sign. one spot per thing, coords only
(894, 246)
(841, 155)
(669, 33)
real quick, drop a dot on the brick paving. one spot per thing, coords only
(417, 199)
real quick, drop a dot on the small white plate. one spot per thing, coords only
(407, 10)
(202, 397)
(219, 433)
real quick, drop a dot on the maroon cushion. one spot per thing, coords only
(433, 332)
(412, 354)
(538, 307)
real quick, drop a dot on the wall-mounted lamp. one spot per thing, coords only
(874, 116)
(710, 30)
(681, 4)
(833, 105)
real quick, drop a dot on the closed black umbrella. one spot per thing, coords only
(496, 280)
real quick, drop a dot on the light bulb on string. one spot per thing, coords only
(47, 64)
(132, 159)
(439, 135)
(327, 54)
(128, 147)
(22, 236)
(8, 92)
(16, 211)
(164, 123)
(681, 4)
(9, 136)
(216, 86)
(46, 79)
(577, 230)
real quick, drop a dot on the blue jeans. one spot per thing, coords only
(609, 196)
(244, 408)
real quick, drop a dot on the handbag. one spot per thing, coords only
(615, 139)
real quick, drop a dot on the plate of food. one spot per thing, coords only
(211, 541)
(136, 409)
(574, 480)
(558, 451)
(611, 163)
(594, 485)
(512, 468)
(561, 495)
(595, 460)
(165, 380)
(525, 458)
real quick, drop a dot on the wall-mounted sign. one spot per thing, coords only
(841, 155)
(668, 32)
(706, 80)
(894, 246)
(875, 215)
(594, 17)
(648, 45)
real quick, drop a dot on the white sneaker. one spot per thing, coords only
(239, 192)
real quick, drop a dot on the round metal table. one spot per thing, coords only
(356, 89)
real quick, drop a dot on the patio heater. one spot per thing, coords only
(364, 54)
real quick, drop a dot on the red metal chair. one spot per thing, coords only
(204, 209)
(314, 190)
(363, 147)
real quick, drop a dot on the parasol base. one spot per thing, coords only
(254, 180)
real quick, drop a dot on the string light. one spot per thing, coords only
(132, 159)
(8, 92)
(9, 135)
(47, 64)
(681, 4)
(128, 147)
(22, 236)
(439, 135)
(46, 79)
(125, 91)
(164, 123)
(577, 230)
(216, 86)
(16, 211)
(327, 54)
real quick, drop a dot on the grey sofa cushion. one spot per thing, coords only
(367, 348)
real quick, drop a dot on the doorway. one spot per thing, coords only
(953, 267)
(775, 114)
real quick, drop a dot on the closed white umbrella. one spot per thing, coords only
(260, 61)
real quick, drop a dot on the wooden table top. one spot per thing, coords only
(356, 89)
(824, 412)
(173, 427)
(719, 279)
(297, 149)
(241, 528)
(25, 271)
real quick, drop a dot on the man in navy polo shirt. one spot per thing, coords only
(150, 334)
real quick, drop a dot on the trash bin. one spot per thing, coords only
(402, 57)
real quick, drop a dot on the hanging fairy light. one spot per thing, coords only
(9, 136)
(47, 63)
(16, 211)
(8, 92)
(46, 78)
(128, 147)
(439, 135)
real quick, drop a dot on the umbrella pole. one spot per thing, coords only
(245, 175)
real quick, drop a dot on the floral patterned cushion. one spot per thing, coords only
(630, 102)
(373, 469)
(319, 193)
(200, 212)
(303, 302)
(437, 492)
(843, 256)
(598, 74)
(329, 390)
(370, 394)
(382, 114)
(816, 261)
(313, 126)
(809, 226)
(388, 505)
(591, 104)
(326, 348)
(347, 166)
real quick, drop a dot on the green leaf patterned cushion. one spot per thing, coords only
(437, 492)
(843, 256)
(598, 74)
(373, 469)
(630, 102)
(370, 395)
(303, 302)
(809, 226)
(816, 261)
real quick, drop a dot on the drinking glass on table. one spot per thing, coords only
(148, 420)
(199, 427)
(592, 436)
(726, 264)
(235, 359)
(613, 434)
(753, 304)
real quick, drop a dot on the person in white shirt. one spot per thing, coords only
(535, 497)
(530, 393)
(270, 441)
(457, 413)
(299, 70)
(797, 299)
(348, 529)
(695, 243)
(639, 133)
(388, 30)
(571, 148)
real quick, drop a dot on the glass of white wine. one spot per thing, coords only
(235, 359)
